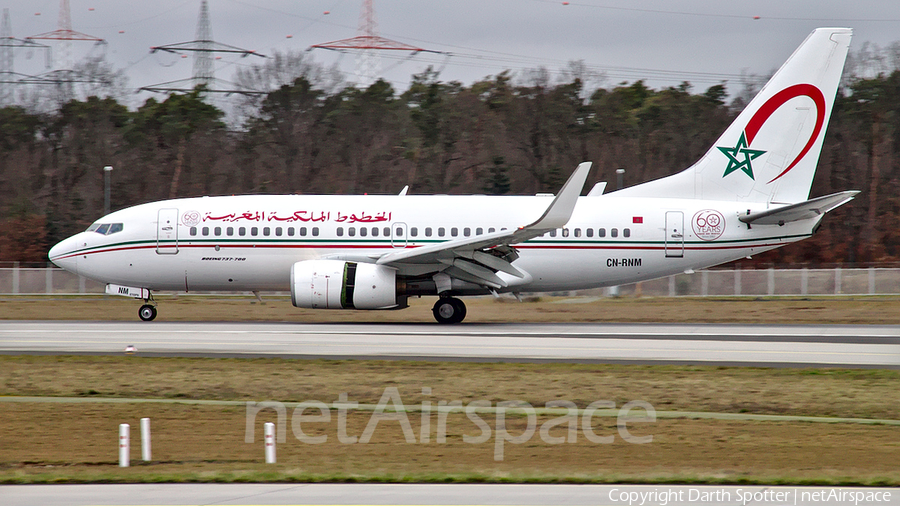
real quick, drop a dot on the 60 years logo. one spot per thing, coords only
(190, 218)
(708, 224)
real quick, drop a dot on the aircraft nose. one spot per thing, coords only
(63, 255)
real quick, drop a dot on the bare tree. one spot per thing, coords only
(283, 69)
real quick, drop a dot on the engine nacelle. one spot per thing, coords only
(336, 284)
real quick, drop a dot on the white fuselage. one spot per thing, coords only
(243, 243)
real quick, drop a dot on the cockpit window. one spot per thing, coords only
(106, 228)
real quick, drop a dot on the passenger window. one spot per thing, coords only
(565, 232)
(467, 231)
(577, 232)
(340, 231)
(414, 232)
(491, 230)
(374, 231)
(440, 231)
(387, 231)
(589, 232)
(351, 231)
(290, 231)
(205, 231)
(315, 231)
(193, 230)
(363, 231)
(601, 232)
(217, 231)
(115, 227)
(626, 232)
(399, 232)
(103, 228)
(229, 231)
(454, 232)
(427, 231)
(303, 231)
(254, 231)
(614, 232)
(479, 231)
(266, 231)
(242, 231)
(553, 233)
(278, 231)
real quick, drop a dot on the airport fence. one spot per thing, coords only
(29, 280)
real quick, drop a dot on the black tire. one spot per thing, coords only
(147, 312)
(461, 308)
(449, 310)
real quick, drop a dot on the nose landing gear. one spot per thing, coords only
(147, 312)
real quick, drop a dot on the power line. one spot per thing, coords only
(716, 15)
(369, 46)
(203, 48)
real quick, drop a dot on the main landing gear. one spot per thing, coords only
(449, 310)
(147, 312)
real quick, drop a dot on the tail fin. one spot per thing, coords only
(769, 154)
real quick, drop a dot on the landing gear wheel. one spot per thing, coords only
(147, 312)
(449, 310)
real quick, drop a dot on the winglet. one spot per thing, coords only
(598, 189)
(560, 210)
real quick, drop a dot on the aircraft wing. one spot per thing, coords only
(801, 211)
(478, 259)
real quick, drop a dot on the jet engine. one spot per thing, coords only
(336, 284)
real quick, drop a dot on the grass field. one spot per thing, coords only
(76, 441)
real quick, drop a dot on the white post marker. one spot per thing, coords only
(270, 442)
(145, 439)
(124, 445)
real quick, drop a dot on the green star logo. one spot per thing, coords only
(739, 157)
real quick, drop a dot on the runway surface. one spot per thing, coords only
(760, 345)
(381, 494)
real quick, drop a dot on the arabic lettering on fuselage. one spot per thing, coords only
(303, 216)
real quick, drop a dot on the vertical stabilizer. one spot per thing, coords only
(770, 152)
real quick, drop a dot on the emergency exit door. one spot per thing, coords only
(167, 232)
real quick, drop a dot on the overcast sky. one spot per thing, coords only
(666, 41)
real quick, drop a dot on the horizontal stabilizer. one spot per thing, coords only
(801, 211)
